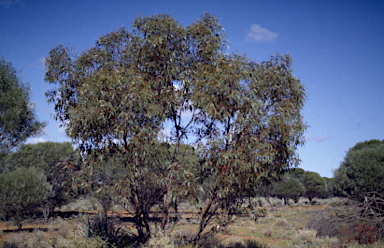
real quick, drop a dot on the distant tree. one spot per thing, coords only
(264, 188)
(288, 188)
(314, 185)
(17, 118)
(22, 192)
(362, 170)
(244, 118)
(297, 173)
(328, 188)
(51, 158)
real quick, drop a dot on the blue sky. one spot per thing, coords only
(337, 49)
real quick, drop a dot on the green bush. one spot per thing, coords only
(362, 170)
(22, 192)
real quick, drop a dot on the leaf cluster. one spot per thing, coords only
(18, 120)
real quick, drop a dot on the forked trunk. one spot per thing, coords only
(203, 220)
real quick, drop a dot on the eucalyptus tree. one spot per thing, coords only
(17, 118)
(243, 118)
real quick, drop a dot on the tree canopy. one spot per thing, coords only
(50, 158)
(362, 170)
(17, 118)
(289, 188)
(22, 191)
(242, 117)
(314, 185)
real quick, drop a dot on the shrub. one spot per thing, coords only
(104, 227)
(22, 192)
(237, 242)
(26, 240)
(306, 235)
(268, 232)
(159, 240)
(328, 222)
(182, 236)
(282, 222)
(362, 233)
(91, 242)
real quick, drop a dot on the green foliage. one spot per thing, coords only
(22, 191)
(17, 118)
(297, 173)
(243, 118)
(314, 185)
(52, 159)
(289, 188)
(362, 170)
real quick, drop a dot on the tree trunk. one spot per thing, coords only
(273, 209)
(139, 221)
(46, 213)
(203, 222)
(283, 203)
(165, 209)
(139, 213)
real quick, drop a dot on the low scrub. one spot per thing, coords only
(159, 240)
(282, 222)
(329, 222)
(306, 235)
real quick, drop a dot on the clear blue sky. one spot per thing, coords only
(337, 49)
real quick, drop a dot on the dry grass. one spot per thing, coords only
(288, 230)
(159, 240)
(306, 235)
(282, 222)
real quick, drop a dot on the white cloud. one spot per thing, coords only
(8, 3)
(40, 63)
(320, 138)
(35, 140)
(260, 34)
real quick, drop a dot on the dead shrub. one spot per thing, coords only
(329, 222)
(268, 232)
